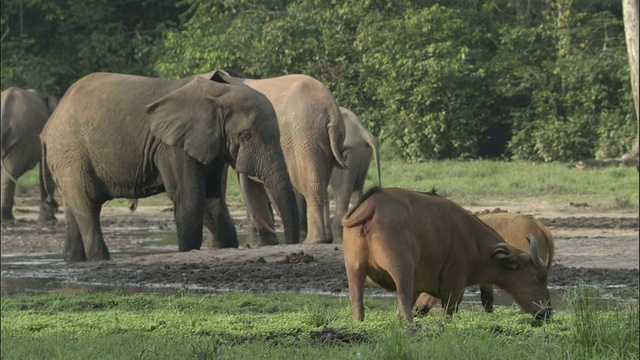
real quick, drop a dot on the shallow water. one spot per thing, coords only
(45, 278)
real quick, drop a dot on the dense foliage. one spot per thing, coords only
(536, 79)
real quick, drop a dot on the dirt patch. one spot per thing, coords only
(597, 248)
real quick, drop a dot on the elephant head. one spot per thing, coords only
(245, 135)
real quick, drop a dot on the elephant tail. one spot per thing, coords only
(46, 180)
(337, 131)
(375, 146)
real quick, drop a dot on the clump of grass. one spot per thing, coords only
(596, 333)
(624, 202)
(397, 344)
(317, 316)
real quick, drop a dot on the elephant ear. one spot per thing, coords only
(52, 103)
(224, 77)
(188, 118)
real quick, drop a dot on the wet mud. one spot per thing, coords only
(598, 249)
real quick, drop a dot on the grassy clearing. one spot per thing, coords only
(485, 182)
(300, 326)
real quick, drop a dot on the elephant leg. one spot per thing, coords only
(317, 218)
(7, 194)
(222, 231)
(341, 193)
(302, 211)
(73, 246)
(86, 215)
(216, 216)
(189, 207)
(48, 205)
(342, 203)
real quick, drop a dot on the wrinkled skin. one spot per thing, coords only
(312, 136)
(123, 136)
(514, 229)
(412, 242)
(24, 114)
(348, 184)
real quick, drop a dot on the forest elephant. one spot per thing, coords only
(125, 136)
(312, 136)
(411, 242)
(514, 229)
(24, 114)
(348, 184)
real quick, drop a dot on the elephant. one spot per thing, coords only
(348, 184)
(24, 114)
(311, 135)
(127, 136)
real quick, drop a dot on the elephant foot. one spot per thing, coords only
(270, 240)
(267, 243)
(47, 220)
(215, 244)
(98, 253)
(101, 257)
(317, 241)
(72, 258)
(7, 217)
(262, 237)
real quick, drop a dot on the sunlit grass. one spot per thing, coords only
(242, 325)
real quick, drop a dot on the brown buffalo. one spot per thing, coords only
(514, 229)
(412, 242)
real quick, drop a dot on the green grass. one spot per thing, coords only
(483, 182)
(241, 325)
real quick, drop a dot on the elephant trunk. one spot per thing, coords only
(281, 190)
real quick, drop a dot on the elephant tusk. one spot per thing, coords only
(256, 179)
(243, 180)
(8, 172)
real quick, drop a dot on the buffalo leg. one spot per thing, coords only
(355, 264)
(404, 293)
(451, 300)
(486, 297)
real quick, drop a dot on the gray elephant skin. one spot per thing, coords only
(348, 184)
(312, 136)
(23, 116)
(126, 136)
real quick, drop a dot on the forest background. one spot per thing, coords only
(543, 80)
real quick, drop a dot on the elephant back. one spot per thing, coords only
(24, 113)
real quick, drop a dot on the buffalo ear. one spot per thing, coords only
(506, 254)
(188, 118)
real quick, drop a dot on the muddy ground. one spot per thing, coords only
(595, 247)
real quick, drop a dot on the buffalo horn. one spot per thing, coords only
(533, 249)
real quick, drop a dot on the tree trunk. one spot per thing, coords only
(630, 14)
